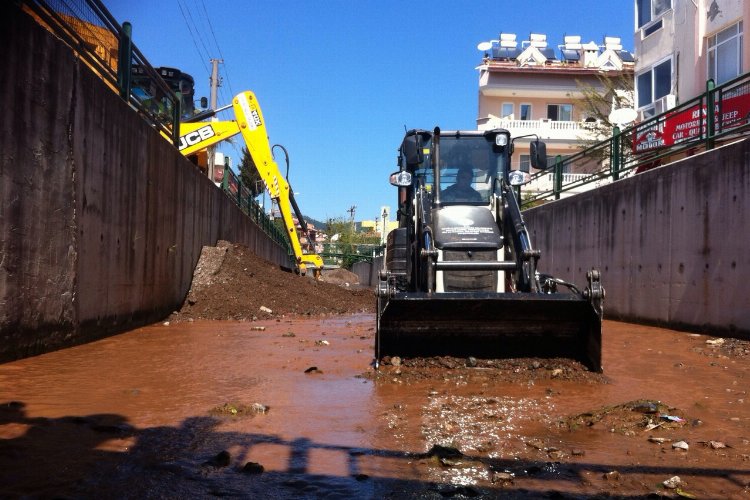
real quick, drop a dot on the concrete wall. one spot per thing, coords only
(367, 272)
(671, 243)
(101, 220)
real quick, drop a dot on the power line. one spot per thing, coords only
(192, 36)
(198, 31)
(229, 82)
(216, 42)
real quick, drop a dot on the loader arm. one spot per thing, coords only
(525, 255)
(250, 123)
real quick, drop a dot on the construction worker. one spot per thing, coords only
(461, 190)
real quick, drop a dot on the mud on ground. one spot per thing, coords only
(516, 427)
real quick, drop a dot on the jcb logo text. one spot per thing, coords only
(196, 136)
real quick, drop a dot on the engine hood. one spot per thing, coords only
(465, 226)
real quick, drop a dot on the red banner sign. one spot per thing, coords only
(690, 123)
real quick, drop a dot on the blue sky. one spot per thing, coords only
(339, 80)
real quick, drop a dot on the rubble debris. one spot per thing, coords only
(222, 459)
(253, 468)
(672, 483)
(681, 445)
(630, 419)
(236, 409)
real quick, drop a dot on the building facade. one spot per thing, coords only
(530, 87)
(681, 44)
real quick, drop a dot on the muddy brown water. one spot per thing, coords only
(147, 414)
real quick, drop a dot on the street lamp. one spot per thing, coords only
(382, 230)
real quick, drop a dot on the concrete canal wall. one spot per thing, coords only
(102, 221)
(672, 244)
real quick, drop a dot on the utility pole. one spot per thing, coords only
(351, 211)
(214, 83)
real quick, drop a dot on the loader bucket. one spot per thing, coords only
(490, 325)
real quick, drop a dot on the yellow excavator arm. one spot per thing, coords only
(195, 136)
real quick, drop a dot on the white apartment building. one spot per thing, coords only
(531, 87)
(680, 44)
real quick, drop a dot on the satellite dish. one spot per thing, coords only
(484, 46)
(622, 116)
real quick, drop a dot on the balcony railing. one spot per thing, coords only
(546, 129)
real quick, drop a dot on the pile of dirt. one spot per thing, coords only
(341, 277)
(408, 370)
(232, 283)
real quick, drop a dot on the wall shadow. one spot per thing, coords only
(103, 456)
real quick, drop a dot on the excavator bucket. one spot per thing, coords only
(489, 325)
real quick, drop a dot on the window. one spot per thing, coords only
(507, 109)
(651, 10)
(525, 111)
(524, 163)
(725, 54)
(654, 83)
(560, 112)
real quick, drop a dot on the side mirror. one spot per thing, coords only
(538, 153)
(401, 179)
(204, 102)
(411, 148)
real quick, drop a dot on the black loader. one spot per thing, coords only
(460, 275)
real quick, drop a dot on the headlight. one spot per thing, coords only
(401, 179)
(517, 178)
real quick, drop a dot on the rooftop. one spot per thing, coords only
(571, 56)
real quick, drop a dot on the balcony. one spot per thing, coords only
(545, 129)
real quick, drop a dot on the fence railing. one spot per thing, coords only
(106, 47)
(346, 254)
(682, 131)
(232, 185)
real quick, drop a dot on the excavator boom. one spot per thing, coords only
(195, 136)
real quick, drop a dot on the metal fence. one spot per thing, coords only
(682, 131)
(346, 254)
(243, 196)
(106, 47)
